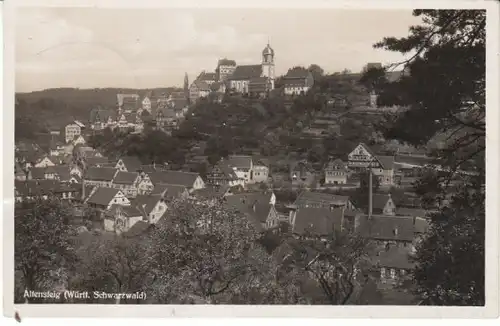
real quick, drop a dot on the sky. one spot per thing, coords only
(148, 48)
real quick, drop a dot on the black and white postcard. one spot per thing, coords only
(269, 158)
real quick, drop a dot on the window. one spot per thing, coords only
(382, 272)
(393, 273)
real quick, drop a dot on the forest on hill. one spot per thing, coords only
(53, 108)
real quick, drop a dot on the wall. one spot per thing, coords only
(260, 173)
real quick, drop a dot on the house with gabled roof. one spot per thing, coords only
(102, 177)
(336, 172)
(152, 207)
(313, 199)
(170, 192)
(127, 182)
(222, 174)
(105, 197)
(121, 218)
(260, 171)
(242, 166)
(258, 207)
(316, 222)
(198, 89)
(44, 162)
(385, 170)
(302, 173)
(129, 164)
(29, 189)
(190, 180)
(361, 156)
(297, 81)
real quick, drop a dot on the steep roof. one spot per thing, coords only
(379, 200)
(169, 191)
(246, 72)
(382, 227)
(102, 196)
(211, 192)
(146, 203)
(256, 206)
(240, 161)
(96, 160)
(323, 199)
(37, 173)
(367, 148)
(417, 212)
(387, 162)
(317, 221)
(129, 211)
(132, 163)
(395, 257)
(336, 165)
(207, 76)
(201, 85)
(100, 174)
(186, 179)
(296, 73)
(126, 178)
(40, 187)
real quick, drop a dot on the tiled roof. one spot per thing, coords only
(367, 148)
(40, 187)
(318, 198)
(255, 206)
(226, 62)
(246, 72)
(207, 76)
(395, 257)
(169, 191)
(132, 163)
(317, 221)
(403, 211)
(381, 227)
(336, 165)
(100, 174)
(146, 203)
(240, 161)
(296, 73)
(126, 178)
(387, 162)
(37, 173)
(379, 200)
(211, 192)
(186, 179)
(102, 196)
(201, 85)
(294, 82)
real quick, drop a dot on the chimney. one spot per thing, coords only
(370, 193)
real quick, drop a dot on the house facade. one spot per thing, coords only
(127, 182)
(336, 173)
(242, 165)
(260, 172)
(297, 81)
(121, 218)
(225, 68)
(72, 130)
(104, 197)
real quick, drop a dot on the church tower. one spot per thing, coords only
(268, 63)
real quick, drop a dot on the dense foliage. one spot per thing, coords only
(444, 92)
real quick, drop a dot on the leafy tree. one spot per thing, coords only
(205, 251)
(337, 265)
(373, 79)
(316, 71)
(450, 269)
(444, 94)
(115, 264)
(42, 242)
